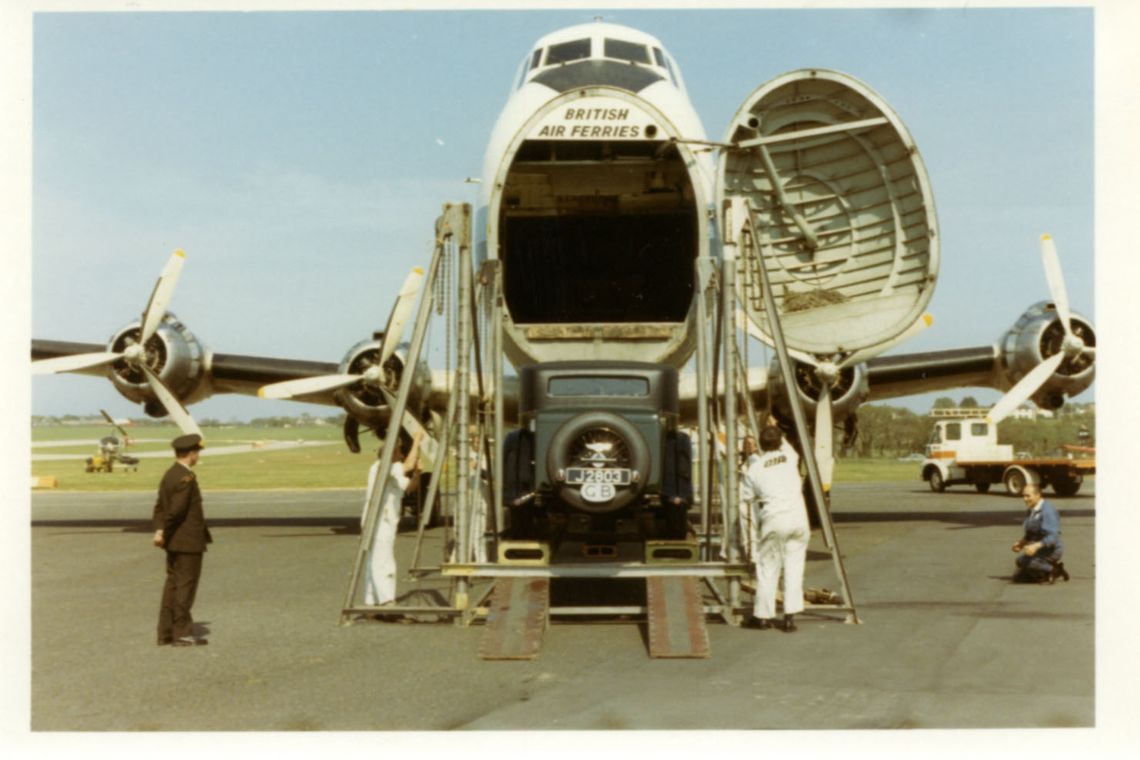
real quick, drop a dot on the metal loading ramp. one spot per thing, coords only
(516, 619)
(676, 618)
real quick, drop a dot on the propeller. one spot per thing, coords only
(134, 354)
(1071, 345)
(827, 372)
(374, 375)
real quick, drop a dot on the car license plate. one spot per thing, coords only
(610, 476)
(598, 492)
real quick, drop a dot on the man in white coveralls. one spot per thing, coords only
(380, 581)
(773, 491)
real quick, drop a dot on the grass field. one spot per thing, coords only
(327, 466)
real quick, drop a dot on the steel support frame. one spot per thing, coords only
(712, 278)
(453, 228)
(739, 212)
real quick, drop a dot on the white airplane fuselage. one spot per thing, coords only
(595, 198)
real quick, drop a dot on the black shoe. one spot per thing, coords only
(189, 641)
(1058, 572)
(165, 641)
(789, 624)
(760, 624)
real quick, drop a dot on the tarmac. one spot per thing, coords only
(945, 640)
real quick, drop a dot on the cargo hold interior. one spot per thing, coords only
(598, 232)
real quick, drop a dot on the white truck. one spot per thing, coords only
(966, 451)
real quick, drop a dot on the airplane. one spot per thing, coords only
(110, 453)
(600, 194)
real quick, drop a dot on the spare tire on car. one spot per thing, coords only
(598, 441)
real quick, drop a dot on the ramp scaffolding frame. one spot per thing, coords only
(479, 299)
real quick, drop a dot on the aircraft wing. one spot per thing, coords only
(246, 375)
(909, 374)
(219, 373)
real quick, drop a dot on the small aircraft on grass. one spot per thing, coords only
(112, 450)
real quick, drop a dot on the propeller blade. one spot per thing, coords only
(73, 362)
(428, 445)
(160, 296)
(824, 455)
(116, 425)
(173, 406)
(1056, 281)
(863, 354)
(401, 310)
(1025, 388)
(291, 388)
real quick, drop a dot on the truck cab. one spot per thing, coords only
(953, 444)
(967, 440)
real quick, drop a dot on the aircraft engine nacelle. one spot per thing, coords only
(364, 401)
(849, 391)
(172, 353)
(1035, 337)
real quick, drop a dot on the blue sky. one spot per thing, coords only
(301, 158)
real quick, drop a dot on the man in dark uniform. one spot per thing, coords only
(180, 529)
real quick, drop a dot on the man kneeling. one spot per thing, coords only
(1040, 547)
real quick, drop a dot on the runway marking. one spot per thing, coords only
(242, 448)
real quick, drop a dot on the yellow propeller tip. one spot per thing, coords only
(180, 252)
(418, 270)
(928, 319)
(261, 393)
(1046, 236)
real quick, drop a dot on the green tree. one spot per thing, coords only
(889, 431)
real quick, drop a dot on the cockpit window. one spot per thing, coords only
(672, 74)
(536, 58)
(626, 51)
(659, 57)
(568, 51)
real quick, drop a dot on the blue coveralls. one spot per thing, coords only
(1043, 524)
